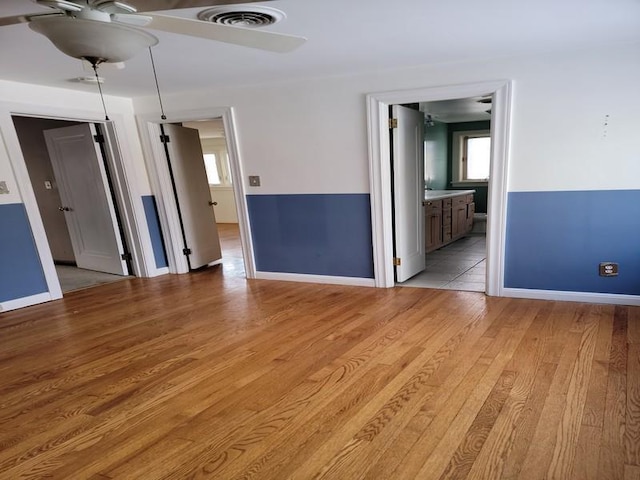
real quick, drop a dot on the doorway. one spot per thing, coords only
(380, 173)
(457, 165)
(236, 239)
(70, 177)
(213, 140)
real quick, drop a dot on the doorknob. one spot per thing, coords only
(64, 209)
(213, 203)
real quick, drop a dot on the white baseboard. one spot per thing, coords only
(584, 297)
(157, 272)
(25, 302)
(299, 277)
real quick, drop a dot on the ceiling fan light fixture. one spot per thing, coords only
(93, 40)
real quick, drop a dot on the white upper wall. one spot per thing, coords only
(311, 136)
(25, 99)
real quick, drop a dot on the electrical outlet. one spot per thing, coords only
(3, 187)
(608, 269)
(254, 180)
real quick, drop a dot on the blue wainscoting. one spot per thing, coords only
(22, 274)
(328, 234)
(555, 240)
(157, 242)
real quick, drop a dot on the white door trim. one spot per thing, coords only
(149, 126)
(380, 172)
(125, 186)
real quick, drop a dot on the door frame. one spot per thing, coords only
(125, 188)
(380, 172)
(160, 179)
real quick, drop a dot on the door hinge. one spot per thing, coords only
(186, 251)
(396, 261)
(393, 123)
(126, 257)
(98, 138)
(164, 138)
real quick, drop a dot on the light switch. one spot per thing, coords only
(3, 187)
(254, 180)
(47, 185)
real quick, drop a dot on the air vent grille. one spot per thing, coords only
(249, 17)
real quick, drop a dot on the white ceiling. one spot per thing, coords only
(344, 37)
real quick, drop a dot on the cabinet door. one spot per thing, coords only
(433, 223)
(470, 211)
(458, 220)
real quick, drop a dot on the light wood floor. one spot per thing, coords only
(208, 375)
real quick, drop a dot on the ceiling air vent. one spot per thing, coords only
(250, 17)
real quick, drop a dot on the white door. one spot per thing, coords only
(86, 202)
(408, 191)
(192, 195)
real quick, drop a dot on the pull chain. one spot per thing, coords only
(155, 76)
(104, 107)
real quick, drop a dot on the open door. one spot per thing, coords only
(407, 137)
(88, 208)
(191, 188)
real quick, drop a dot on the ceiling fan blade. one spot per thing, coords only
(13, 20)
(26, 18)
(247, 37)
(156, 5)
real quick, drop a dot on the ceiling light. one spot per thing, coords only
(93, 40)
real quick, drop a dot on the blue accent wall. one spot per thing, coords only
(556, 240)
(22, 274)
(327, 234)
(151, 213)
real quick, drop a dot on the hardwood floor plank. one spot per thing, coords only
(569, 427)
(612, 448)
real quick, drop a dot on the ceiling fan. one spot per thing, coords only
(107, 31)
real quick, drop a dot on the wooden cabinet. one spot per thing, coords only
(458, 217)
(433, 224)
(447, 220)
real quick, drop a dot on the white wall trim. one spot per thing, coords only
(160, 180)
(380, 172)
(126, 190)
(584, 297)
(299, 277)
(24, 302)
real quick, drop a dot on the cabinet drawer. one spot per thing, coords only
(461, 200)
(432, 206)
(470, 198)
(446, 203)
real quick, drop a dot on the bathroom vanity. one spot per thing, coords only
(448, 216)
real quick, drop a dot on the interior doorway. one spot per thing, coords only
(168, 210)
(213, 140)
(453, 195)
(71, 179)
(381, 175)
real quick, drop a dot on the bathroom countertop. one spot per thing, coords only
(440, 194)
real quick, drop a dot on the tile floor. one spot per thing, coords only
(72, 278)
(458, 266)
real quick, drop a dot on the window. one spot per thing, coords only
(476, 156)
(217, 167)
(213, 175)
(471, 155)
